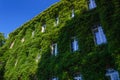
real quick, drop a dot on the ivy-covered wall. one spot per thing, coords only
(27, 53)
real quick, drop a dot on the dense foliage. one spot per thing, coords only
(30, 56)
(2, 39)
(2, 42)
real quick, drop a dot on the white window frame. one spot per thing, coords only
(43, 28)
(92, 4)
(99, 36)
(78, 77)
(54, 49)
(113, 74)
(74, 44)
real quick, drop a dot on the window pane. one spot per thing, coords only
(92, 4)
(113, 74)
(77, 78)
(99, 35)
(57, 20)
(74, 45)
(54, 78)
(33, 33)
(43, 28)
(102, 35)
(54, 49)
(73, 14)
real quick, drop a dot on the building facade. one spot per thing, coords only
(71, 40)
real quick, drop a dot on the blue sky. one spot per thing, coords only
(14, 13)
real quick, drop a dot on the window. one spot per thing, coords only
(112, 74)
(16, 62)
(56, 21)
(43, 28)
(54, 49)
(33, 33)
(99, 36)
(78, 77)
(74, 44)
(11, 46)
(37, 58)
(22, 40)
(73, 13)
(92, 4)
(55, 78)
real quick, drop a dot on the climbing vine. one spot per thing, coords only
(30, 56)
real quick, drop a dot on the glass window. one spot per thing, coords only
(37, 58)
(56, 21)
(74, 44)
(43, 28)
(22, 40)
(33, 33)
(113, 74)
(54, 49)
(16, 62)
(78, 77)
(55, 78)
(11, 46)
(73, 13)
(99, 35)
(92, 4)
